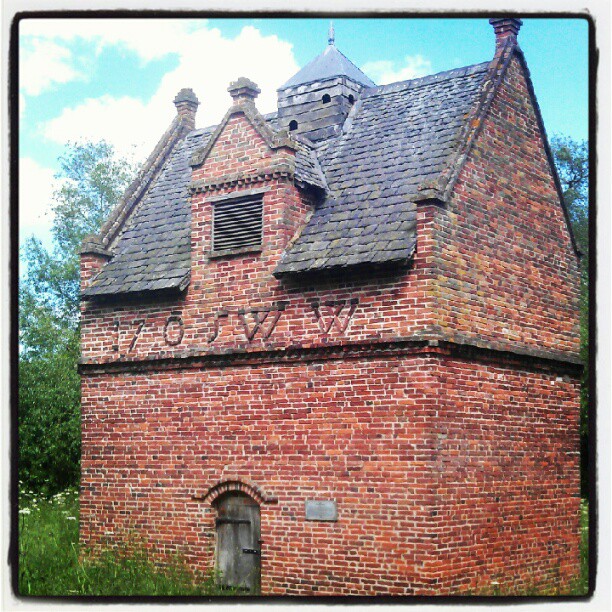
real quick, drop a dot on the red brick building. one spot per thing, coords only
(334, 349)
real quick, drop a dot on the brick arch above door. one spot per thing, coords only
(234, 484)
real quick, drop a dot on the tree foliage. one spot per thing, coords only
(572, 161)
(92, 179)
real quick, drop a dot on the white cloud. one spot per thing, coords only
(47, 56)
(44, 63)
(384, 72)
(207, 63)
(148, 38)
(124, 122)
(36, 186)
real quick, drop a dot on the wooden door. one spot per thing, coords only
(238, 541)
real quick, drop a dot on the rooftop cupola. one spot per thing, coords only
(315, 101)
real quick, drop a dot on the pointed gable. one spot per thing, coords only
(254, 127)
(329, 64)
(507, 259)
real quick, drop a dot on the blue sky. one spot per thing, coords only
(115, 79)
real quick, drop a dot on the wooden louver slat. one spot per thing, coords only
(237, 224)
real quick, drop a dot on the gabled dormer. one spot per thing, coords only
(316, 101)
(252, 187)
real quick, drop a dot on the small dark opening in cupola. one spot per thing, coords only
(351, 99)
(292, 125)
(326, 98)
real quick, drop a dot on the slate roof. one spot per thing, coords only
(153, 251)
(331, 63)
(398, 138)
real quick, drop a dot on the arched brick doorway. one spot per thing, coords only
(238, 535)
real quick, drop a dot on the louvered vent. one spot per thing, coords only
(238, 224)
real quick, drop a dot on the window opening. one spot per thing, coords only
(237, 224)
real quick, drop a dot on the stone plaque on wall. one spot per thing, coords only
(321, 510)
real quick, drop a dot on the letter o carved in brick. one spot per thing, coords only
(174, 330)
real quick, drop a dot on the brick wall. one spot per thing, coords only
(507, 269)
(445, 470)
(507, 478)
(353, 431)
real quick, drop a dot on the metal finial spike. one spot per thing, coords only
(331, 37)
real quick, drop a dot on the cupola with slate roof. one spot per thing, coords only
(316, 101)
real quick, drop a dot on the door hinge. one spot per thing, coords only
(251, 551)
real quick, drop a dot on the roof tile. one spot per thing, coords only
(397, 137)
(416, 125)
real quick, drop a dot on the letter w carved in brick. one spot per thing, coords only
(260, 316)
(334, 313)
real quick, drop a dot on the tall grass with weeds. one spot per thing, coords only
(51, 563)
(582, 585)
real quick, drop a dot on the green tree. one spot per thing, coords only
(93, 178)
(572, 161)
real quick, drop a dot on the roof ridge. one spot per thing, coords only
(369, 92)
(323, 62)
(274, 138)
(351, 62)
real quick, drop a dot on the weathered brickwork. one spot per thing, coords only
(437, 404)
(356, 432)
(91, 264)
(507, 479)
(209, 318)
(447, 474)
(507, 269)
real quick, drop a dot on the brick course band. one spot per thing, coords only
(531, 359)
(284, 171)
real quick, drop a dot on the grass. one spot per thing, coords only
(582, 585)
(51, 563)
